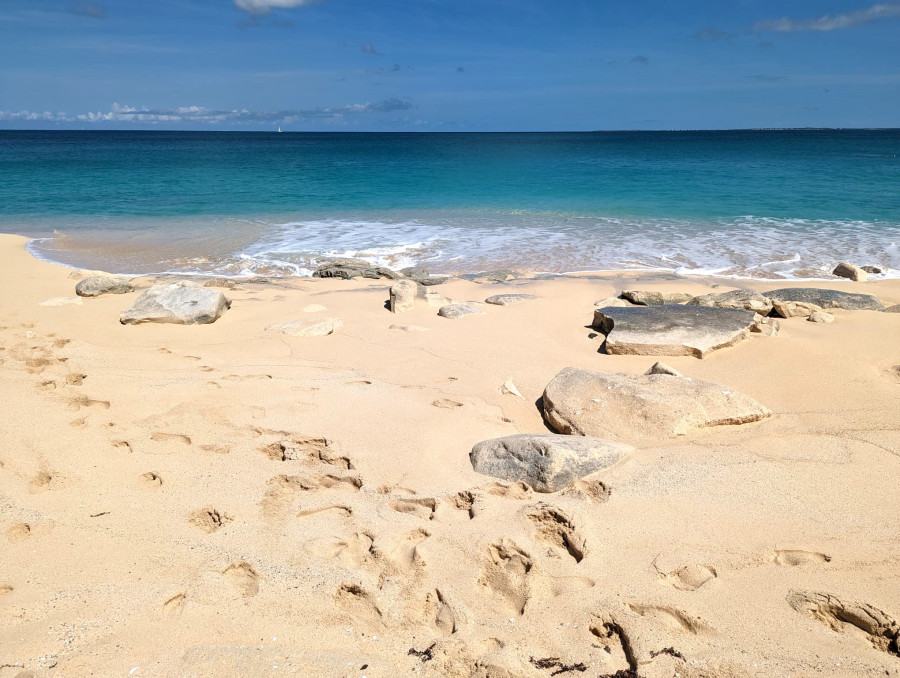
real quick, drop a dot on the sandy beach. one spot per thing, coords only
(223, 500)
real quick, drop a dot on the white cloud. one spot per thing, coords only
(265, 6)
(201, 114)
(831, 22)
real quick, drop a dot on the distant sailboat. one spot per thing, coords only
(279, 129)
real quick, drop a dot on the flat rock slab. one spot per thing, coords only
(746, 299)
(454, 311)
(642, 408)
(827, 298)
(893, 309)
(352, 268)
(103, 284)
(547, 462)
(509, 299)
(671, 329)
(307, 328)
(62, 301)
(182, 303)
(645, 298)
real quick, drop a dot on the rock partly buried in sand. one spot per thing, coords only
(421, 276)
(509, 299)
(320, 327)
(662, 368)
(491, 276)
(546, 462)
(352, 268)
(226, 283)
(454, 311)
(182, 303)
(767, 327)
(103, 284)
(893, 309)
(874, 270)
(645, 298)
(845, 270)
(794, 309)
(746, 299)
(612, 302)
(672, 329)
(403, 296)
(641, 408)
(827, 298)
(820, 317)
(62, 301)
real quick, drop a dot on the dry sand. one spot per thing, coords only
(150, 527)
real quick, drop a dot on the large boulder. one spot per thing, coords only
(103, 284)
(645, 298)
(671, 329)
(745, 299)
(182, 303)
(845, 270)
(547, 462)
(352, 268)
(403, 295)
(827, 298)
(642, 408)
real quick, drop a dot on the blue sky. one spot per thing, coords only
(447, 65)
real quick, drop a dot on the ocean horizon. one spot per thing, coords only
(752, 203)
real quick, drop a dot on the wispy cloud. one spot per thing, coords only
(831, 22)
(200, 114)
(88, 8)
(709, 34)
(266, 6)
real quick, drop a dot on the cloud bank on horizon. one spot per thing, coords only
(467, 64)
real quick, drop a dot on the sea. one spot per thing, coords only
(769, 204)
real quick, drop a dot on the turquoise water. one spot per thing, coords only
(747, 203)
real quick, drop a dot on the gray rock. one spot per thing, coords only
(103, 284)
(893, 309)
(509, 299)
(672, 329)
(454, 311)
(319, 327)
(546, 462)
(845, 270)
(611, 301)
(421, 276)
(827, 298)
(645, 298)
(182, 303)
(820, 317)
(874, 270)
(403, 295)
(641, 408)
(662, 368)
(491, 276)
(352, 268)
(226, 283)
(746, 299)
(766, 326)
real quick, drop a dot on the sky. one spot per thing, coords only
(448, 65)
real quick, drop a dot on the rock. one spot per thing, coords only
(611, 301)
(183, 303)
(546, 462)
(672, 329)
(352, 268)
(509, 299)
(874, 270)
(226, 283)
(645, 298)
(62, 301)
(421, 276)
(662, 368)
(766, 326)
(454, 311)
(435, 299)
(821, 317)
(510, 388)
(641, 408)
(403, 295)
(794, 309)
(103, 284)
(893, 309)
(320, 327)
(491, 276)
(845, 270)
(746, 299)
(827, 298)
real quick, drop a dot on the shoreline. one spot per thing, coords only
(255, 503)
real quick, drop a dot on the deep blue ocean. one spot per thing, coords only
(763, 204)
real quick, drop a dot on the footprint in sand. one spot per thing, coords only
(359, 604)
(466, 501)
(518, 490)
(595, 491)
(151, 480)
(506, 574)
(5, 589)
(75, 379)
(18, 532)
(41, 482)
(333, 509)
(441, 614)
(283, 488)
(160, 437)
(209, 519)
(672, 617)
(880, 629)
(422, 507)
(558, 529)
(405, 551)
(355, 552)
(174, 605)
(304, 448)
(793, 558)
(122, 445)
(242, 575)
(83, 401)
(690, 577)
(446, 403)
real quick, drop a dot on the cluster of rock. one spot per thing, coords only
(857, 273)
